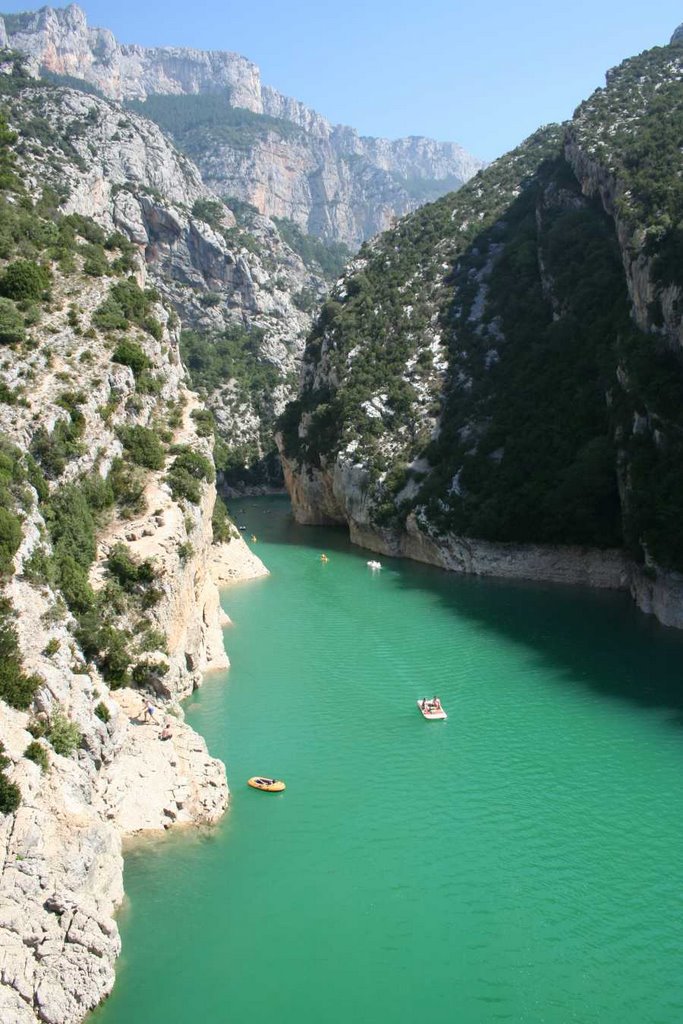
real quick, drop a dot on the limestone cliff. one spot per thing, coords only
(108, 598)
(220, 277)
(496, 385)
(284, 158)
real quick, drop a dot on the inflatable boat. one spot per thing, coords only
(267, 785)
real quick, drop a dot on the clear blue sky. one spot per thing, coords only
(481, 74)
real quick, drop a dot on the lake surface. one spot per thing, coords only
(520, 862)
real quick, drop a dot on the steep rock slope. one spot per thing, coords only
(108, 534)
(248, 140)
(497, 385)
(242, 294)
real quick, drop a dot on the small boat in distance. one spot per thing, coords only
(324, 558)
(374, 565)
(431, 709)
(267, 785)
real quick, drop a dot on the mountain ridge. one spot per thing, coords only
(505, 366)
(331, 181)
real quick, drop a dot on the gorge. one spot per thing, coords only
(492, 386)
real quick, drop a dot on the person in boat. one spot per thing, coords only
(423, 703)
(435, 704)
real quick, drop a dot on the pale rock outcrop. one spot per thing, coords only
(131, 179)
(61, 867)
(340, 495)
(61, 41)
(234, 562)
(295, 164)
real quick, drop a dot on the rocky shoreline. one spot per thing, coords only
(338, 495)
(61, 876)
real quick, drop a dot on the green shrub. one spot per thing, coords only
(150, 597)
(211, 211)
(11, 323)
(109, 316)
(115, 658)
(24, 280)
(316, 253)
(16, 688)
(95, 262)
(106, 645)
(74, 584)
(129, 573)
(72, 529)
(39, 567)
(153, 640)
(36, 728)
(143, 446)
(128, 486)
(98, 492)
(129, 353)
(103, 712)
(204, 422)
(10, 794)
(7, 395)
(128, 303)
(149, 383)
(185, 551)
(35, 751)
(223, 529)
(10, 539)
(147, 673)
(51, 647)
(54, 450)
(63, 734)
(188, 470)
(86, 227)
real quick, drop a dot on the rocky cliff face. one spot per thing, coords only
(286, 159)
(503, 370)
(106, 501)
(61, 41)
(217, 275)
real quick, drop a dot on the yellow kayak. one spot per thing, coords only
(267, 785)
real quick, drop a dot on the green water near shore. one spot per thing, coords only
(521, 862)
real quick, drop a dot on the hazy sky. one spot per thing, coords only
(484, 74)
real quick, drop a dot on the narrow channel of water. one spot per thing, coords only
(521, 862)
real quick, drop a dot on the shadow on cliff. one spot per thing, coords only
(597, 639)
(594, 639)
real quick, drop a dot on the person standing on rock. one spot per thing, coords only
(149, 711)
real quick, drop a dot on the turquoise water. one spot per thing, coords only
(521, 862)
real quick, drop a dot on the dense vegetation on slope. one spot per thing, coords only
(76, 328)
(320, 255)
(191, 119)
(633, 128)
(218, 275)
(484, 362)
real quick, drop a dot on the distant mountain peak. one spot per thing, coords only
(258, 145)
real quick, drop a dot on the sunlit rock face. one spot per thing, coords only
(287, 160)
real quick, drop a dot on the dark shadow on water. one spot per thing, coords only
(597, 639)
